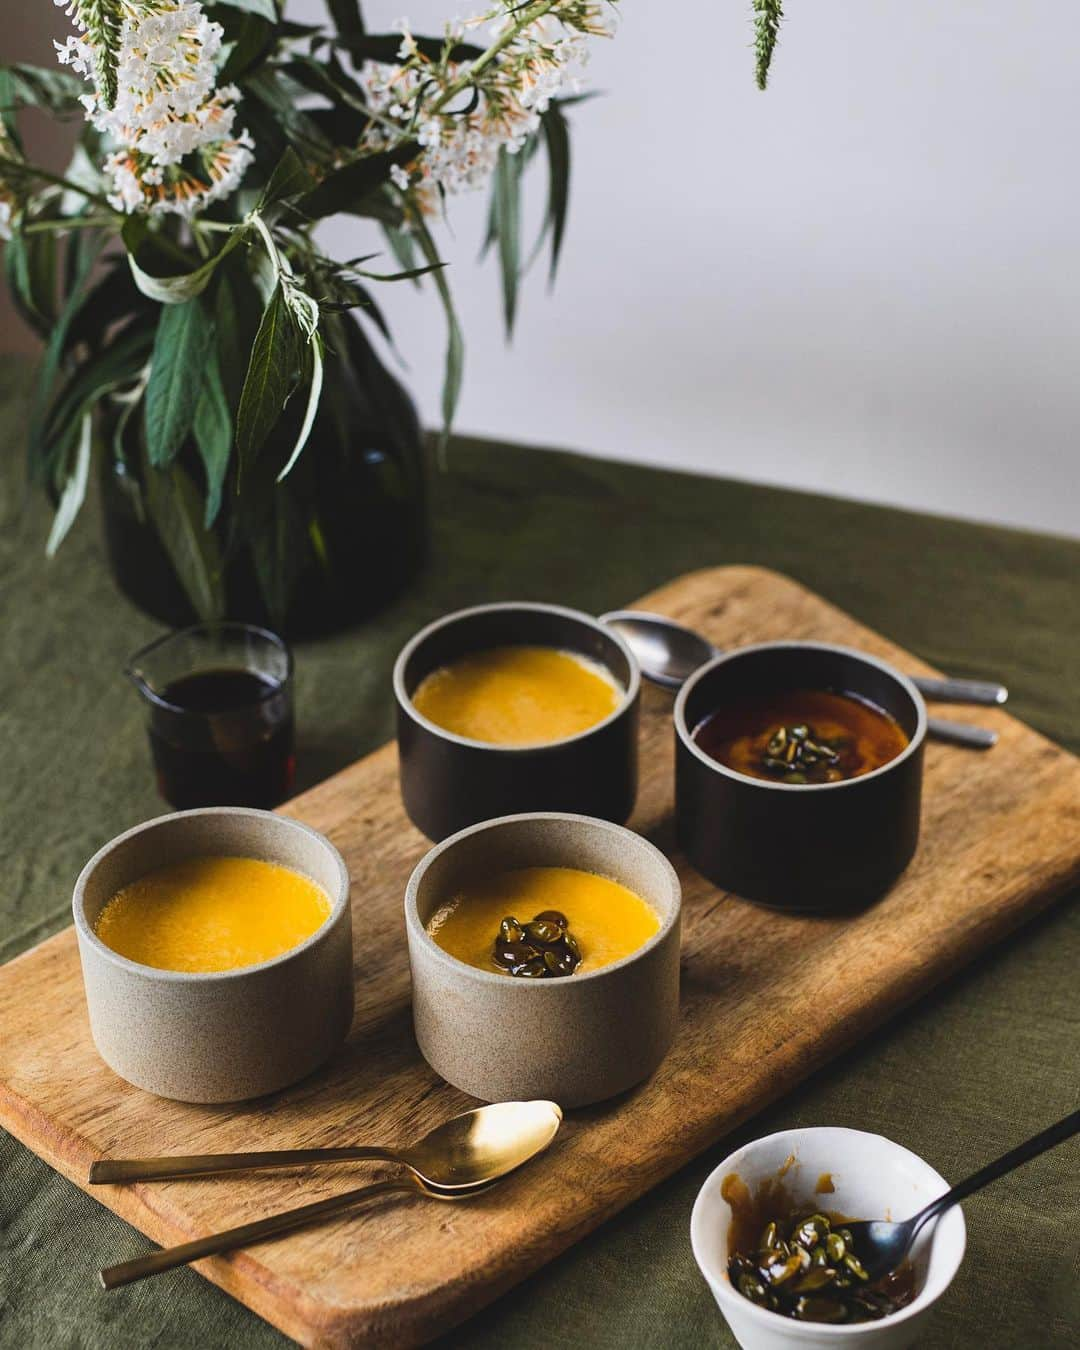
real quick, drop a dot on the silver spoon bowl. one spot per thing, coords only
(669, 653)
(881, 1246)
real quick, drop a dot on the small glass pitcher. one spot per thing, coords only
(220, 704)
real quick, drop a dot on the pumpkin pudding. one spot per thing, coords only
(212, 914)
(516, 696)
(514, 921)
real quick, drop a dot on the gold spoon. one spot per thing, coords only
(127, 1272)
(468, 1150)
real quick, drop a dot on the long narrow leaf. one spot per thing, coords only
(346, 16)
(270, 378)
(213, 435)
(184, 334)
(401, 245)
(455, 342)
(342, 189)
(289, 179)
(385, 47)
(179, 287)
(172, 500)
(74, 490)
(557, 139)
(252, 40)
(119, 364)
(265, 9)
(278, 93)
(314, 394)
(50, 365)
(506, 202)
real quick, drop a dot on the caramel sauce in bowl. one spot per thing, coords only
(798, 774)
(858, 736)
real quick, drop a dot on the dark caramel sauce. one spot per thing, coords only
(863, 736)
(773, 1202)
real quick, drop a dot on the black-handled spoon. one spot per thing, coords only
(880, 1246)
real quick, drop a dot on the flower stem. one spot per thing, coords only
(529, 17)
(19, 168)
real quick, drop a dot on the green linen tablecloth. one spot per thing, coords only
(972, 1069)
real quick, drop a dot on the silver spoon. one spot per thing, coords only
(247, 1234)
(881, 1246)
(669, 653)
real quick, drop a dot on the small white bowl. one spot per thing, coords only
(874, 1179)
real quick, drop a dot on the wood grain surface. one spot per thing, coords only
(766, 999)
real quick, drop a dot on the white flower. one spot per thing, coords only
(458, 151)
(5, 217)
(166, 109)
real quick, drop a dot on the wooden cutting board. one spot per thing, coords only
(766, 999)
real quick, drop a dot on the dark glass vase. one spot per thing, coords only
(338, 539)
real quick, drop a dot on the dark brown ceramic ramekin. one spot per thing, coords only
(449, 782)
(804, 846)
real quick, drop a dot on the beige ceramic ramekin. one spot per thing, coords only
(573, 1040)
(224, 1035)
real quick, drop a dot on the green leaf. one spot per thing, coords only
(385, 47)
(213, 435)
(455, 342)
(401, 245)
(237, 314)
(82, 258)
(557, 139)
(352, 295)
(328, 77)
(280, 95)
(184, 333)
(74, 491)
(56, 91)
(117, 364)
(271, 376)
(265, 9)
(172, 501)
(252, 39)
(274, 531)
(289, 179)
(506, 220)
(113, 298)
(346, 16)
(30, 266)
(8, 105)
(314, 394)
(342, 189)
(150, 277)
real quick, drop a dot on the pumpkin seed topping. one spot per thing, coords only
(543, 948)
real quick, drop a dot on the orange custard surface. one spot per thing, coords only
(608, 920)
(213, 914)
(517, 695)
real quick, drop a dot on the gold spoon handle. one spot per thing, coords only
(112, 1277)
(207, 1164)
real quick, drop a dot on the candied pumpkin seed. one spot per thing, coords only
(541, 948)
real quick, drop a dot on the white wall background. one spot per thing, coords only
(862, 282)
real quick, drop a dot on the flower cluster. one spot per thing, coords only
(176, 150)
(460, 146)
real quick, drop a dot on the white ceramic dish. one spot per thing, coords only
(874, 1179)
